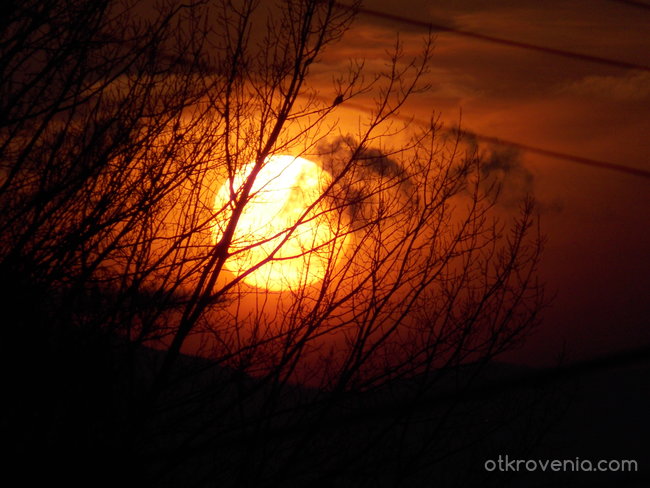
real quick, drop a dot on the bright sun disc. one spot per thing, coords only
(283, 191)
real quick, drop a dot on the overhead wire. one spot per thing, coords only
(572, 158)
(595, 163)
(495, 40)
(633, 3)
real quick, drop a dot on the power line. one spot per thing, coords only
(594, 163)
(489, 139)
(567, 157)
(633, 3)
(496, 40)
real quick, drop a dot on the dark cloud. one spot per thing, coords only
(371, 168)
(502, 169)
(419, 10)
(373, 161)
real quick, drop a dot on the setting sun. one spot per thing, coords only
(283, 220)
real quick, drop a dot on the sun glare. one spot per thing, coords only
(276, 223)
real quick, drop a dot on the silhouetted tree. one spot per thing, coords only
(119, 124)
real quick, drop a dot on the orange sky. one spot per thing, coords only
(596, 221)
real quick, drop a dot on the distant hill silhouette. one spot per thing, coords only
(75, 409)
